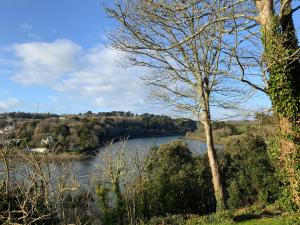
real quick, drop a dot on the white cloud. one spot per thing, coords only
(44, 63)
(89, 76)
(9, 104)
(25, 26)
(33, 36)
(104, 83)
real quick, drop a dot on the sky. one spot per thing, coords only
(53, 58)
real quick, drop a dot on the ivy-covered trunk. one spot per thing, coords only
(281, 57)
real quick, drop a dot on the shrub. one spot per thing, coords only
(175, 182)
(215, 218)
(172, 181)
(248, 172)
(168, 220)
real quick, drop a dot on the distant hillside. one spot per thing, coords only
(222, 130)
(84, 133)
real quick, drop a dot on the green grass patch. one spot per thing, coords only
(223, 219)
(272, 221)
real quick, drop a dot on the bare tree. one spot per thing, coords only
(37, 189)
(263, 52)
(259, 40)
(185, 69)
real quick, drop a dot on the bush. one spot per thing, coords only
(172, 181)
(215, 218)
(168, 220)
(248, 172)
(175, 182)
(224, 132)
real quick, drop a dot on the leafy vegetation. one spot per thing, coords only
(248, 172)
(222, 130)
(176, 182)
(171, 185)
(219, 220)
(85, 133)
(173, 181)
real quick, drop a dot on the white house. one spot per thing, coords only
(39, 150)
(48, 140)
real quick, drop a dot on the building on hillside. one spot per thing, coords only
(47, 141)
(39, 150)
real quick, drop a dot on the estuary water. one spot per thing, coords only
(84, 169)
(89, 171)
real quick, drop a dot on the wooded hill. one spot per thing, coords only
(84, 133)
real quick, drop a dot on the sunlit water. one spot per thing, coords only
(88, 171)
(84, 169)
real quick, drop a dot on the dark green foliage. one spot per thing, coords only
(280, 42)
(175, 183)
(248, 172)
(78, 206)
(223, 217)
(167, 220)
(111, 204)
(283, 85)
(171, 181)
(84, 134)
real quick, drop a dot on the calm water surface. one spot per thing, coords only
(84, 169)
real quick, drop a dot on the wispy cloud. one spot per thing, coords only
(25, 26)
(28, 29)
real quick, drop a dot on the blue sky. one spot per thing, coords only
(53, 59)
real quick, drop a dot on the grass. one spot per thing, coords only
(272, 221)
(269, 216)
(291, 220)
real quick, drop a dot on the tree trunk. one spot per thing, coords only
(213, 161)
(280, 42)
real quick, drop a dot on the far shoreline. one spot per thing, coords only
(71, 156)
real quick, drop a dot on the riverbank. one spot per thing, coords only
(89, 153)
(221, 141)
(134, 143)
(196, 137)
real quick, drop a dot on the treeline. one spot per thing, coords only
(222, 130)
(85, 133)
(26, 115)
